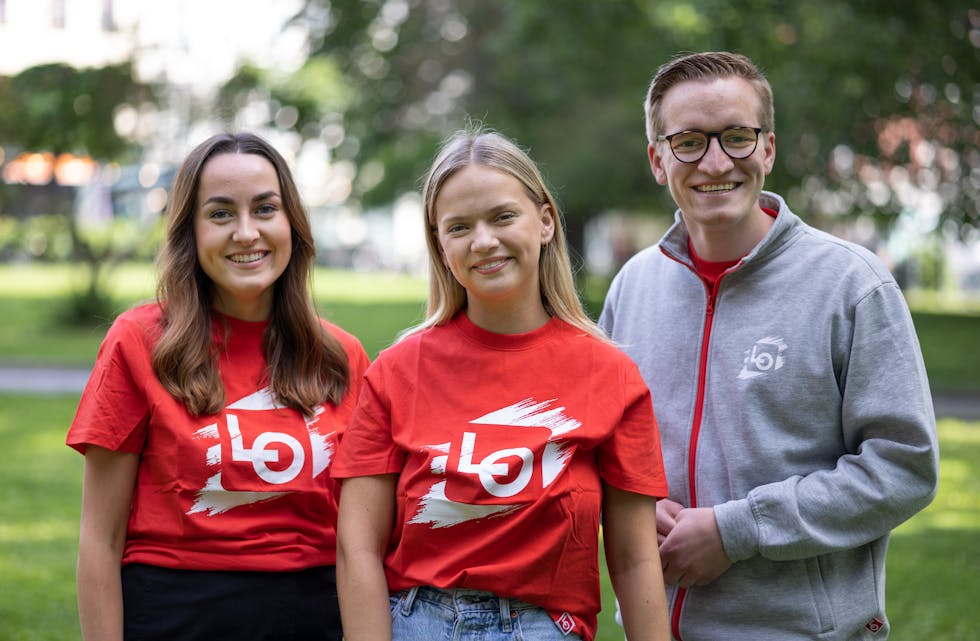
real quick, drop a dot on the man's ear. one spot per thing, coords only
(656, 164)
(770, 151)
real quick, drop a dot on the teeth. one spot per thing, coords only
(246, 258)
(720, 187)
(495, 263)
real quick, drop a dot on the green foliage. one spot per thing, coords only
(55, 107)
(875, 100)
(43, 237)
(305, 101)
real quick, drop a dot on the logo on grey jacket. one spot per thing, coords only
(764, 357)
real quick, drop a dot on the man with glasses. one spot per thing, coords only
(795, 415)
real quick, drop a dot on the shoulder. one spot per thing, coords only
(600, 352)
(410, 344)
(812, 246)
(144, 313)
(643, 258)
(143, 320)
(348, 340)
(844, 255)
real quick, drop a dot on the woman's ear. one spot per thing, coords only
(438, 246)
(547, 224)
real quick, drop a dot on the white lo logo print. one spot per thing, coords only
(490, 467)
(260, 456)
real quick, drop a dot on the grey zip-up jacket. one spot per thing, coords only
(817, 434)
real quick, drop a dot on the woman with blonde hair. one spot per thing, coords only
(490, 442)
(210, 420)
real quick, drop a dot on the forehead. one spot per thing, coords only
(710, 104)
(238, 170)
(476, 189)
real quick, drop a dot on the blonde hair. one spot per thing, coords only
(708, 65)
(477, 146)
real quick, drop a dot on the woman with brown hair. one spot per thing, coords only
(210, 421)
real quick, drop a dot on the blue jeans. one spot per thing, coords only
(469, 615)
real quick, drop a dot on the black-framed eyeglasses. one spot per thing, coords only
(691, 145)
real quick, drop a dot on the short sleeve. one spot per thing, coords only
(630, 459)
(113, 411)
(368, 447)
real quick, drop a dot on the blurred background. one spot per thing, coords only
(877, 107)
(877, 113)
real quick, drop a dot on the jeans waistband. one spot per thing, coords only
(463, 600)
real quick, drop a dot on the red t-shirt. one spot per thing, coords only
(501, 444)
(245, 489)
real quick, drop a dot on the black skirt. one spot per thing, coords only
(161, 604)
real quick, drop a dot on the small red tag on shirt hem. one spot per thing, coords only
(565, 623)
(875, 625)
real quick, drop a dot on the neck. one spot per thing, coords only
(728, 243)
(258, 309)
(506, 319)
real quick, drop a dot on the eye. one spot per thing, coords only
(688, 142)
(455, 228)
(266, 209)
(219, 215)
(506, 216)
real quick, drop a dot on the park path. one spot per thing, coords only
(67, 380)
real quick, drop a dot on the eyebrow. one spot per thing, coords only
(224, 200)
(510, 205)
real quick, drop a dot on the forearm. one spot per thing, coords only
(633, 558)
(99, 584)
(640, 592)
(107, 491)
(860, 500)
(363, 593)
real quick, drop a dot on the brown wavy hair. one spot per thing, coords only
(306, 364)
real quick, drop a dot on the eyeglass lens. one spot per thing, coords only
(737, 142)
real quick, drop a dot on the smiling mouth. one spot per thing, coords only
(247, 258)
(706, 189)
(490, 265)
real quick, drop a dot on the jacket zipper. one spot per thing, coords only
(709, 315)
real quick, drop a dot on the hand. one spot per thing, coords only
(667, 511)
(692, 552)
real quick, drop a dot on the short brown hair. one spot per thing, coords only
(708, 65)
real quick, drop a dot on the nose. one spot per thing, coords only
(715, 160)
(483, 238)
(245, 232)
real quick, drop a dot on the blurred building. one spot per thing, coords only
(189, 48)
(84, 33)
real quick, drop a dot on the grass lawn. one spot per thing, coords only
(374, 307)
(932, 564)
